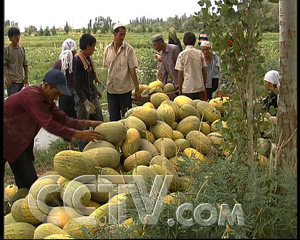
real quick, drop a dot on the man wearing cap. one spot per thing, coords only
(202, 37)
(121, 63)
(26, 112)
(213, 68)
(169, 54)
(191, 68)
(272, 84)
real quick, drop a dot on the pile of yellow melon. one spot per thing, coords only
(161, 137)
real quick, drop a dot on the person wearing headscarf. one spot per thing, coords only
(213, 68)
(272, 84)
(173, 38)
(65, 64)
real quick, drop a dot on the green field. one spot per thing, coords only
(43, 51)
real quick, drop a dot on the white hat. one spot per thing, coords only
(205, 44)
(117, 25)
(272, 76)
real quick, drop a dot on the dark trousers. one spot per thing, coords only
(118, 104)
(83, 114)
(67, 104)
(215, 85)
(193, 96)
(14, 88)
(23, 170)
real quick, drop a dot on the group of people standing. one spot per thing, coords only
(195, 73)
(73, 79)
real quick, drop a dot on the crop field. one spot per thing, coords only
(43, 51)
(210, 190)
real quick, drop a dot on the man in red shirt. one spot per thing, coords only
(26, 112)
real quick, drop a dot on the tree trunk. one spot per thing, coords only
(286, 155)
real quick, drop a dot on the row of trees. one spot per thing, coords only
(143, 24)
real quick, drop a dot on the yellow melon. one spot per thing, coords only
(158, 98)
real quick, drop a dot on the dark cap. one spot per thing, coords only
(58, 79)
(156, 37)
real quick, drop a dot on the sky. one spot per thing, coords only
(43, 13)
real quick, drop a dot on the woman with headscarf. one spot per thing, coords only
(272, 84)
(65, 64)
(173, 38)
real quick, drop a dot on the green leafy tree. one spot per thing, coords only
(67, 28)
(41, 31)
(47, 31)
(30, 29)
(242, 21)
(53, 31)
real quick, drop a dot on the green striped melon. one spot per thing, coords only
(156, 83)
(107, 213)
(199, 141)
(146, 172)
(46, 189)
(91, 207)
(165, 113)
(181, 100)
(75, 194)
(112, 175)
(132, 142)
(158, 98)
(149, 104)
(98, 144)
(147, 115)
(208, 111)
(169, 87)
(100, 189)
(105, 156)
(71, 164)
(166, 147)
(216, 138)
(29, 210)
(182, 144)
(113, 132)
(19, 230)
(217, 125)
(177, 135)
(161, 130)
(47, 229)
(188, 124)
(59, 236)
(134, 122)
(205, 128)
(141, 157)
(188, 110)
(175, 108)
(164, 162)
(83, 227)
(8, 218)
(148, 146)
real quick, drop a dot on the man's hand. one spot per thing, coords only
(8, 82)
(137, 93)
(90, 123)
(90, 108)
(87, 135)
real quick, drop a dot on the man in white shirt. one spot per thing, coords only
(121, 63)
(191, 66)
